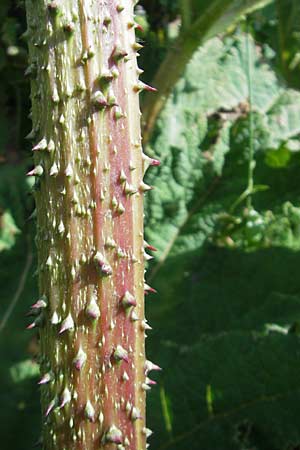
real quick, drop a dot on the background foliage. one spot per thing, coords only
(227, 316)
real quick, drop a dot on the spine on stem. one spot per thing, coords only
(89, 167)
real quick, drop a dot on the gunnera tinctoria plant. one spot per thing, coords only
(89, 189)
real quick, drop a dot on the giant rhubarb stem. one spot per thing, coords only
(89, 167)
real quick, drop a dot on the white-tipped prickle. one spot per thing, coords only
(120, 354)
(92, 310)
(67, 324)
(113, 436)
(89, 411)
(79, 359)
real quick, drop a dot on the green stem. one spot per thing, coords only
(186, 13)
(251, 162)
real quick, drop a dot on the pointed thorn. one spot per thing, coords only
(54, 319)
(140, 86)
(135, 414)
(145, 325)
(149, 247)
(41, 303)
(50, 407)
(65, 398)
(118, 53)
(147, 432)
(92, 310)
(151, 366)
(53, 7)
(139, 27)
(99, 101)
(67, 324)
(125, 376)
(106, 76)
(150, 382)
(33, 215)
(110, 243)
(69, 28)
(53, 170)
(137, 46)
(150, 161)
(46, 378)
(79, 359)
(129, 189)
(120, 354)
(42, 145)
(118, 114)
(113, 435)
(145, 187)
(89, 411)
(154, 162)
(122, 177)
(107, 20)
(128, 300)
(148, 289)
(51, 146)
(102, 266)
(147, 257)
(30, 136)
(31, 326)
(37, 171)
(134, 317)
(111, 98)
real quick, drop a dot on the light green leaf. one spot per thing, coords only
(208, 19)
(228, 315)
(278, 158)
(23, 370)
(8, 231)
(284, 116)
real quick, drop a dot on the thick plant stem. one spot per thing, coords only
(89, 167)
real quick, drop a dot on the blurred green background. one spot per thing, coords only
(224, 216)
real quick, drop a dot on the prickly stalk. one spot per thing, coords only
(89, 166)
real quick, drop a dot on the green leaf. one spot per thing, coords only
(284, 116)
(213, 333)
(18, 290)
(278, 158)
(8, 231)
(248, 389)
(205, 116)
(228, 316)
(260, 188)
(221, 76)
(23, 370)
(14, 193)
(208, 20)
(19, 394)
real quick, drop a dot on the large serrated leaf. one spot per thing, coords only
(192, 156)
(216, 313)
(227, 319)
(230, 392)
(206, 20)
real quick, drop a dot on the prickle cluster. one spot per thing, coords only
(89, 167)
